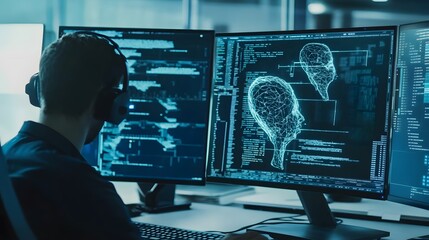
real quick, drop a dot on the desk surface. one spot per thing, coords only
(208, 217)
(204, 217)
(387, 210)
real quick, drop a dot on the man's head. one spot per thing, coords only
(76, 72)
(78, 80)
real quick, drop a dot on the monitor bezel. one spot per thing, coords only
(211, 34)
(392, 197)
(372, 195)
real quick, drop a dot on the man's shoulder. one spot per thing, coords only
(27, 147)
(51, 164)
(26, 153)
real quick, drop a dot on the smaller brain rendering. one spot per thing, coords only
(317, 61)
(274, 106)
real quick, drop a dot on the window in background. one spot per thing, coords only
(239, 16)
(95, 13)
(125, 13)
(357, 13)
(250, 15)
(20, 48)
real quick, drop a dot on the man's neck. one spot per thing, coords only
(73, 128)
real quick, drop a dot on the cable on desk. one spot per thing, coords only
(277, 220)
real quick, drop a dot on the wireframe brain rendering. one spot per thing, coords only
(317, 61)
(274, 106)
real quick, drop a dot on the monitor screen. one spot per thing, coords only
(164, 137)
(306, 110)
(409, 178)
(20, 50)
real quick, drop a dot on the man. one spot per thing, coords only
(62, 196)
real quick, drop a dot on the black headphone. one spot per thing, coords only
(111, 104)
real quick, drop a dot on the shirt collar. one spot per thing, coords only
(50, 136)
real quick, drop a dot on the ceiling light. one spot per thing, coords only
(380, 0)
(316, 8)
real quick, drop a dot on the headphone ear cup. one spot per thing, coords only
(111, 106)
(32, 89)
(120, 108)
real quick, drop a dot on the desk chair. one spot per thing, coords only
(13, 212)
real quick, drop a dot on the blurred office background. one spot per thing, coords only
(221, 15)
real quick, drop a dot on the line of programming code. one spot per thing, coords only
(305, 109)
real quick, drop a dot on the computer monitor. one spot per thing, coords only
(409, 177)
(164, 137)
(20, 49)
(306, 110)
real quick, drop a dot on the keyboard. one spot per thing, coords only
(152, 231)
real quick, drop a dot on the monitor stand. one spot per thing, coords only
(322, 224)
(158, 198)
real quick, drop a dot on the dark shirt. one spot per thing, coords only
(62, 196)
